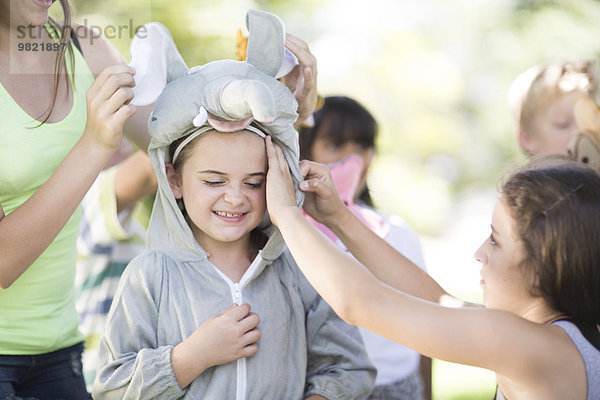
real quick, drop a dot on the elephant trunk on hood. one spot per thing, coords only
(248, 98)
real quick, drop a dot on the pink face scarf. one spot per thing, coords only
(346, 176)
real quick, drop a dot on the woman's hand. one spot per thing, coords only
(302, 80)
(280, 189)
(108, 106)
(322, 201)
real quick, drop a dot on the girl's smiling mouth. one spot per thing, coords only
(229, 215)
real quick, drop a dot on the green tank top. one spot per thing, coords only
(37, 313)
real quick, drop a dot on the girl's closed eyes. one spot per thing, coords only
(253, 185)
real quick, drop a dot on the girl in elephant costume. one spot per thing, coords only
(172, 331)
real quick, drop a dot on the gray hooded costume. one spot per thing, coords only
(167, 292)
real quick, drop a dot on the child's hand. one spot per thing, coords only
(321, 201)
(302, 80)
(108, 106)
(280, 190)
(228, 336)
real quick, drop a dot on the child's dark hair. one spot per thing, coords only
(556, 215)
(341, 120)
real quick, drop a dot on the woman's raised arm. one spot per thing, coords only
(27, 231)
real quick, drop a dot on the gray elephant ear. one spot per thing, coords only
(266, 44)
(156, 60)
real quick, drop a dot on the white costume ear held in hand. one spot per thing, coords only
(156, 60)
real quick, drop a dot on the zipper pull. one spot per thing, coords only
(236, 293)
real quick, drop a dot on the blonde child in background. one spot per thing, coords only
(542, 101)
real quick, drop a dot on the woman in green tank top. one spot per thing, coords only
(54, 140)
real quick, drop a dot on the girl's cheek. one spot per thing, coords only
(260, 196)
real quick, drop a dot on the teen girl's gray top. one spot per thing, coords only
(167, 292)
(589, 353)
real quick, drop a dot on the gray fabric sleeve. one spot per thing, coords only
(338, 364)
(131, 365)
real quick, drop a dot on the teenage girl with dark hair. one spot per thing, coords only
(539, 329)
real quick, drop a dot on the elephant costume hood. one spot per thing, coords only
(224, 95)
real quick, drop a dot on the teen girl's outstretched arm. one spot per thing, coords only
(28, 230)
(323, 203)
(491, 339)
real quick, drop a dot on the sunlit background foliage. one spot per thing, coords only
(435, 73)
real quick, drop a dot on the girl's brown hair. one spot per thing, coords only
(556, 212)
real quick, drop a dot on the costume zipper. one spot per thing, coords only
(236, 295)
(240, 391)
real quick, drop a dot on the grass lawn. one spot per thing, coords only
(460, 382)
